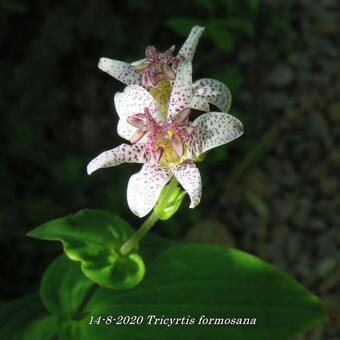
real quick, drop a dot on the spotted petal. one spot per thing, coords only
(120, 70)
(213, 129)
(181, 94)
(189, 177)
(133, 100)
(214, 92)
(144, 188)
(199, 103)
(188, 49)
(123, 153)
(125, 130)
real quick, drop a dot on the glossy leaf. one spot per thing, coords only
(189, 281)
(94, 237)
(44, 328)
(16, 315)
(63, 287)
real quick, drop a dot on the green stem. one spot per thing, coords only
(132, 242)
(88, 296)
(138, 235)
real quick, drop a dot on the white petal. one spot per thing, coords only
(120, 70)
(199, 103)
(125, 129)
(133, 100)
(213, 129)
(214, 92)
(189, 177)
(181, 94)
(188, 49)
(123, 153)
(144, 188)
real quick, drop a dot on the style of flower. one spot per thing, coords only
(167, 145)
(156, 66)
(157, 72)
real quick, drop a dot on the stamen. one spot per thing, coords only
(189, 130)
(156, 78)
(170, 50)
(168, 72)
(139, 134)
(159, 154)
(165, 141)
(177, 145)
(136, 121)
(157, 67)
(182, 116)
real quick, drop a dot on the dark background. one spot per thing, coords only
(273, 192)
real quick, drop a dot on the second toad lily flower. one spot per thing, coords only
(166, 145)
(157, 72)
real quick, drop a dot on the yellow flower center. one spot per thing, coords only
(169, 157)
(171, 133)
(162, 94)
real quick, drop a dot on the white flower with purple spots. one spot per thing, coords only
(158, 67)
(166, 144)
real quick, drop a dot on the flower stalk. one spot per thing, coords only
(163, 201)
(132, 242)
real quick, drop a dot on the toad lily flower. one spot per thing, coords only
(156, 66)
(157, 72)
(167, 145)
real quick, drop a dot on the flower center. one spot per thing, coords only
(168, 157)
(166, 142)
(171, 133)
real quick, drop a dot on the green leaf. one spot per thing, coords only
(64, 290)
(44, 328)
(153, 246)
(72, 287)
(94, 237)
(182, 25)
(16, 315)
(191, 281)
